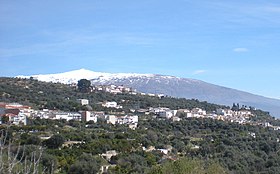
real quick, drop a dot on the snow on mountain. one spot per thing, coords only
(74, 76)
(168, 85)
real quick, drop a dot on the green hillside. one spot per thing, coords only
(196, 145)
(60, 96)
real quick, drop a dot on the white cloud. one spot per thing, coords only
(240, 50)
(201, 71)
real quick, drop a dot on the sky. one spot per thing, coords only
(233, 43)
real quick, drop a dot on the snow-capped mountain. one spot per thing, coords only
(168, 85)
(74, 76)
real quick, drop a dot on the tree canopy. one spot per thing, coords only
(84, 85)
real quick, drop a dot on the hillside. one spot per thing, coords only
(64, 97)
(169, 85)
(46, 95)
(190, 88)
(195, 145)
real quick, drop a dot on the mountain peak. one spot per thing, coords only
(169, 85)
(75, 75)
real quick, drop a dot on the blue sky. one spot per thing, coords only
(231, 43)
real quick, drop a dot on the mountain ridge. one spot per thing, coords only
(75, 75)
(168, 85)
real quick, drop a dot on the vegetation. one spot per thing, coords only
(195, 145)
(185, 165)
(228, 146)
(64, 97)
(84, 85)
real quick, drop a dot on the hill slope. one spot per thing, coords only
(170, 85)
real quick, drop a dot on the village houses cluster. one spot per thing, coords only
(114, 89)
(18, 114)
(241, 117)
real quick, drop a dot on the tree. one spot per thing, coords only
(4, 119)
(186, 165)
(86, 164)
(33, 140)
(54, 142)
(16, 158)
(84, 85)
(49, 162)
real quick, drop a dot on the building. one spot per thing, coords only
(112, 119)
(109, 154)
(43, 114)
(167, 114)
(19, 119)
(112, 104)
(132, 121)
(67, 116)
(197, 112)
(14, 115)
(158, 110)
(89, 116)
(174, 119)
(185, 112)
(127, 119)
(13, 106)
(224, 112)
(83, 101)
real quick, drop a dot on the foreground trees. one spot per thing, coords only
(18, 159)
(54, 142)
(87, 164)
(195, 143)
(188, 166)
(201, 145)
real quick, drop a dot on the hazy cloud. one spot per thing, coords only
(240, 50)
(73, 40)
(247, 13)
(201, 71)
(272, 9)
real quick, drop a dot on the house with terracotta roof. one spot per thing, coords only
(15, 116)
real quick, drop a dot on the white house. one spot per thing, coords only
(126, 89)
(112, 119)
(174, 119)
(158, 110)
(111, 105)
(187, 113)
(43, 114)
(67, 116)
(151, 95)
(18, 119)
(16, 116)
(160, 95)
(83, 101)
(167, 114)
(109, 154)
(115, 91)
(133, 93)
(164, 151)
(224, 112)
(244, 113)
(132, 121)
(197, 112)
(89, 116)
(127, 119)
